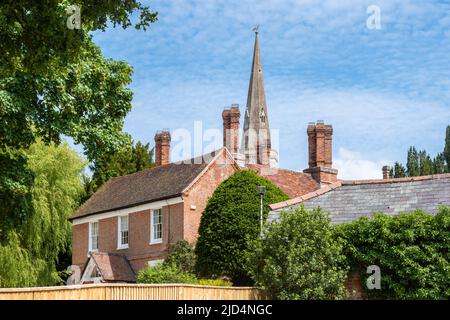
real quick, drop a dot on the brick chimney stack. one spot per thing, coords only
(162, 147)
(386, 172)
(231, 128)
(320, 138)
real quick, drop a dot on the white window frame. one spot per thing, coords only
(119, 232)
(90, 249)
(154, 240)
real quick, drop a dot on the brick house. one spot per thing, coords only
(131, 220)
(138, 215)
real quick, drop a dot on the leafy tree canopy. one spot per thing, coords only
(54, 81)
(299, 258)
(30, 253)
(130, 158)
(420, 163)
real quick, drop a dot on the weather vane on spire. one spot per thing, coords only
(256, 28)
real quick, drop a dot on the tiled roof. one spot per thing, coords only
(158, 183)
(113, 267)
(349, 200)
(293, 183)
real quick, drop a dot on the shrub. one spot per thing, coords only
(214, 282)
(230, 220)
(181, 254)
(299, 258)
(164, 273)
(411, 249)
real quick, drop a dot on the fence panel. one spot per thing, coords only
(132, 292)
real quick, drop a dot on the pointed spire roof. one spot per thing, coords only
(256, 120)
(256, 99)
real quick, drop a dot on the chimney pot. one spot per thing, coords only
(386, 172)
(231, 128)
(320, 137)
(162, 147)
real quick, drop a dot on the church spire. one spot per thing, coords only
(256, 144)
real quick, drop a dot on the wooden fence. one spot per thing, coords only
(132, 292)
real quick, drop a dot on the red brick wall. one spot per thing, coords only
(80, 242)
(354, 286)
(230, 119)
(320, 145)
(199, 194)
(139, 250)
(162, 148)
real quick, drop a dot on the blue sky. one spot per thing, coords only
(382, 90)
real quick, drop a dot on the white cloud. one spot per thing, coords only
(353, 166)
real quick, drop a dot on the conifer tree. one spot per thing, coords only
(447, 148)
(398, 171)
(439, 163)
(426, 166)
(412, 162)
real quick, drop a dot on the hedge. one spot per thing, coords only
(229, 222)
(411, 249)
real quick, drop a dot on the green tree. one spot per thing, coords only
(398, 171)
(182, 255)
(229, 222)
(45, 236)
(421, 163)
(16, 180)
(412, 163)
(439, 163)
(299, 258)
(426, 166)
(447, 148)
(54, 81)
(129, 159)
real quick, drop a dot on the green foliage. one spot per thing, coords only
(55, 193)
(447, 148)
(439, 164)
(130, 158)
(411, 249)
(170, 273)
(36, 39)
(17, 266)
(412, 163)
(30, 254)
(398, 171)
(420, 163)
(182, 255)
(299, 258)
(229, 222)
(54, 81)
(16, 180)
(164, 273)
(213, 282)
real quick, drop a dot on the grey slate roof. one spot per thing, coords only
(353, 199)
(158, 183)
